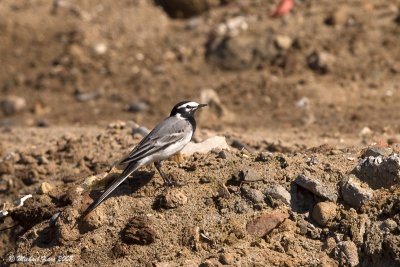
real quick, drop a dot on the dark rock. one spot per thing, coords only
(265, 223)
(355, 193)
(264, 156)
(240, 52)
(138, 106)
(186, 8)
(316, 187)
(139, 231)
(379, 171)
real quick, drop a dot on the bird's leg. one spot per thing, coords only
(167, 180)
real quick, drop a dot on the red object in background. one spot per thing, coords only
(283, 7)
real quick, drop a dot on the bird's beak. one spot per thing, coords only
(201, 105)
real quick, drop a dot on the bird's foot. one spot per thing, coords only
(168, 182)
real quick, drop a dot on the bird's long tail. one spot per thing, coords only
(125, 174)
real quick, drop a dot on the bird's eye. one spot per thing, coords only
(187, 106)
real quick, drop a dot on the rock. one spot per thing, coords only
(316, 187)
(283, 42)
(186, 8)
(247, 175)
(355, 193)
(254, 195)
(245, 51)
(11, 105)
(138, 106)
(264, 156)
(320, 62)
(379, 171)
(277, 191)
(86, 96)
(324, 212)
(346, 253)
(139, 231)
(265, 223)
(100, 48)
(216, 142)
(229, 258)
(45, 188)
(173, 198)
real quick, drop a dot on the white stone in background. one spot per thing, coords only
(206, 146)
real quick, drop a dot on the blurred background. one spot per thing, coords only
(325, 67)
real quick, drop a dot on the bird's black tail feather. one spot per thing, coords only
(125, 174)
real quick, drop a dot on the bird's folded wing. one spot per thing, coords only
(158, 139)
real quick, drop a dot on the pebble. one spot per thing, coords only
(228, 258)
(277, 191)
(265, 223)
(283, 42)
(355, 193)
(324, 212)
(248, 175)
(173, 198)
(139, 231)
(12, 104)
(321, 62)
(264, 156)
(316, 187)
(45, 188)
(138, 106)
(254, 195)
(346, 253)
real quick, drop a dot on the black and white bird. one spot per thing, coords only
(168, 138)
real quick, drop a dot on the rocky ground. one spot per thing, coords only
(307, 102)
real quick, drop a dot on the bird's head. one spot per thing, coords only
(186, 109)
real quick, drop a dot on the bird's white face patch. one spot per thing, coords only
(189, 106)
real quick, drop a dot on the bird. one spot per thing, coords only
(166, 139)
